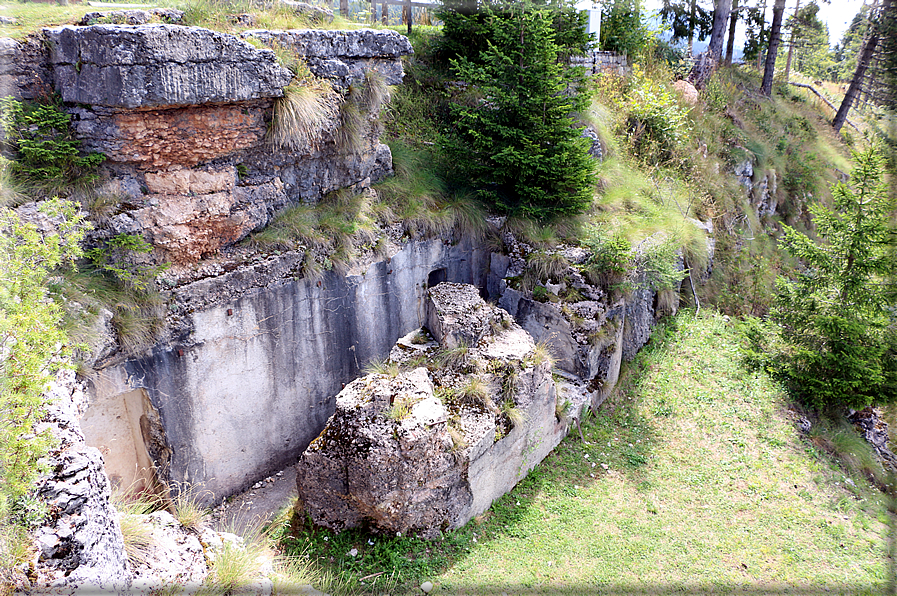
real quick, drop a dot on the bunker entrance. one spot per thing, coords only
(128, 431)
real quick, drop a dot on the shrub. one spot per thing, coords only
(118, 257)
(46, 153)
(654, 121)
(32, 346)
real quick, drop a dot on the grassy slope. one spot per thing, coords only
(693, 478)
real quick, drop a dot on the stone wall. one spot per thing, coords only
(596, 62)
(182, 115)
(251, 379)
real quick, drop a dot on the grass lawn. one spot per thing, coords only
(693, 479)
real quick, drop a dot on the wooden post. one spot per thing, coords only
(344, 8)
(385, 10)
(406, 14)
(373, 11)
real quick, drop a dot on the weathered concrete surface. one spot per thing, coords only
(252, 379)
(401, 457)
(159, 65)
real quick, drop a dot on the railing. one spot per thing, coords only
(406, 5)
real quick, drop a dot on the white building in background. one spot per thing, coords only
(593, 8)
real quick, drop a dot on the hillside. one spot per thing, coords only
(393, 262)
(692, 478)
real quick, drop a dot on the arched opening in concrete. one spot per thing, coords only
(437, 276)
(127, 430)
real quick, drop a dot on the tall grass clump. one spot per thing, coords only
(362, 101)
(309, 107)
(138, 534)
(419, 196)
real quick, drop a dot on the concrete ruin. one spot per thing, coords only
(455, 421)
(255, 352)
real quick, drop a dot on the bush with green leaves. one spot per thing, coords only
(43, 147)
(837, 314)
(654, 121)
(119, 257)
(515, 139)
(33, 348)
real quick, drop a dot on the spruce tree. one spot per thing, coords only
(837, 315)
(518, 143)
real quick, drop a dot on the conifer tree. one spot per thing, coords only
(518, 143)
(837, 316)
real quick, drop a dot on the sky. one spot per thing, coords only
(837, 14)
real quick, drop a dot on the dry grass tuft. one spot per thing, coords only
(307, 110)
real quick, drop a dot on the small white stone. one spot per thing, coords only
(427, 587)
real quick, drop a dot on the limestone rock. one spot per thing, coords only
(81, 543)
(314, 13)
(687, 92)
(174, 556)
(193, 213)
(874, 429)
(344, 55)
(595, 150)
(24, 70)
(456, 315)
(399, 474)
(133, 17)
(159, 65)
(425, 449)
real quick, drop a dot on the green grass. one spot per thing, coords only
(692, 478)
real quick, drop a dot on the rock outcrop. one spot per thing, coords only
(159, 65)
(80, 544)
(344, 56)
(182, 115)
(454, 422)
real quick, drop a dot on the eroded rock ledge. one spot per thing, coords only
(182, 115)
(454, 421)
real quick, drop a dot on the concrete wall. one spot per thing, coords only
(242, 394)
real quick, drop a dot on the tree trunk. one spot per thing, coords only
(344, 8)
(718, 32)
(691, 27)
(730, 45)
(762, 30)
(862, 64)
(774, 34)
(791, 44)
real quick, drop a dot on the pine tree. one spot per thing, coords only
(836, 315)
(518, 142)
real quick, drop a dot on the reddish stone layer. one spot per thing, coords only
(185, 136)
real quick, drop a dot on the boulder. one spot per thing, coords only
(454, 421)
(687, 92)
